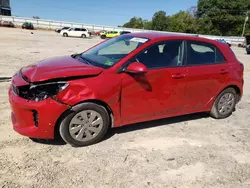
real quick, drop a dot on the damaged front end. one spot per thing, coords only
(39, 92)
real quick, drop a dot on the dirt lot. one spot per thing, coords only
(190, 151)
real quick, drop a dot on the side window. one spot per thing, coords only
(219, 56)
(164, 54)
(84, 29)
(201, 53)
(77, 29)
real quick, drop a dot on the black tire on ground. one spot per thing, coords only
(248, 52)
(83, 36)
(215, 112)
(103, 36)
(64, 128)
(65, 34)
(42, 141)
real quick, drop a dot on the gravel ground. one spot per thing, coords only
(189, 151)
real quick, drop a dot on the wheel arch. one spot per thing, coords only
(68, 111)
(236, 88)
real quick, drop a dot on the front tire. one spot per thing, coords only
(86, 125)
(224, 104)
(65, 34)
(103, 37)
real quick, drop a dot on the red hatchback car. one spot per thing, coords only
(128, 79)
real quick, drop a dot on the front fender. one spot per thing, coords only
(78, 92)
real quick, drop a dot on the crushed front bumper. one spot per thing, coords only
(34, 119)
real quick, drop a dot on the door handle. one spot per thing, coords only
(178, 76)
(223, 71)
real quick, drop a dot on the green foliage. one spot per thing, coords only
(138, 23)
(226, 16)
(214, 17)
(183, 22)
(147, 24)
(134, 23)
(160, 21)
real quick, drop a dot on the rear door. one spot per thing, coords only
(78, 32)
(207, 74)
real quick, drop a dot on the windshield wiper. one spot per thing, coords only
(79, 56)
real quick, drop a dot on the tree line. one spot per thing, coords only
(210, 17)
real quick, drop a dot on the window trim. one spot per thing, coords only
(198, 65)
(125, 65)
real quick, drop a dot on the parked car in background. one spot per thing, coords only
(110, 34)
(75, 32)
(248, 49)
(60, 29)
(92, 33)
(124, 32)
(27, 25)
(6, 24)
(102, 32)
(128, 79)
(247, 43)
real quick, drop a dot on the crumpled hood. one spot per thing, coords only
(60, 67)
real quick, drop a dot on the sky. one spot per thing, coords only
(100, 12)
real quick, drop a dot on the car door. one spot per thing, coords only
(159, 92)
(116, 33)
(77, 32)
(207, 74)
(71, 32)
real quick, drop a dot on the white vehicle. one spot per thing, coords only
(75, 32)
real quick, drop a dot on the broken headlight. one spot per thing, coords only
(38, 92)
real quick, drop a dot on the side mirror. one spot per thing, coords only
(136, 68)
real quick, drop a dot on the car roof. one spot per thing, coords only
(161, 35)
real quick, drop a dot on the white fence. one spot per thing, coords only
(52, 24)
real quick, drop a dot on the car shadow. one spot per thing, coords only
(155, 123)
(58, 141)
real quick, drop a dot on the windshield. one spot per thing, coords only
(111, 51)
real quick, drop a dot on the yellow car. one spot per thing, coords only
(102, 33)
(110, 34)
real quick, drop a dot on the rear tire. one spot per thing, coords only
(86, 125)
(65, 34)
(224, 104)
